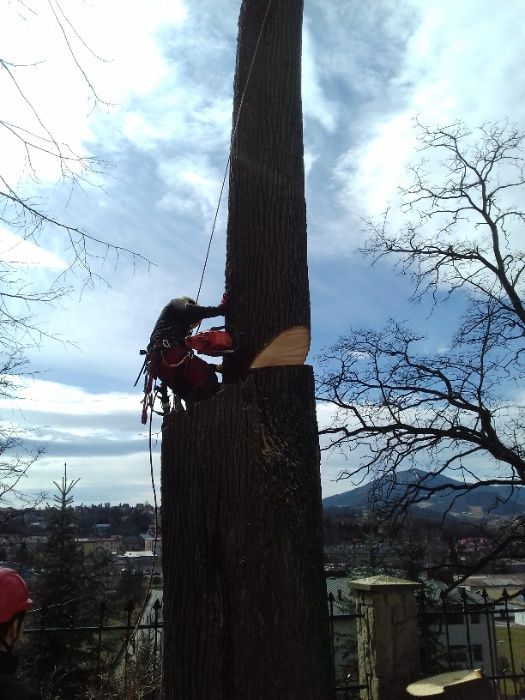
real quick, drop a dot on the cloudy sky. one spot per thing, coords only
(157, 110)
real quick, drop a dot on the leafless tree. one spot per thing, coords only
(15, 461)
(24, 211)
(456, 411)
(22, 207)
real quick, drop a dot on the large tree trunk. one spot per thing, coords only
(244, 592)
(266, 266)
(245, 600)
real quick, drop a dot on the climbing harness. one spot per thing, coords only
(216, 342)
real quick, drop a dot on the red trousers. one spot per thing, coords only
(188, 376)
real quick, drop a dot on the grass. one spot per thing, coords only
(508, 688)
(517, 634)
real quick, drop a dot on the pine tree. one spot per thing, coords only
(66, 593)
(62, 570)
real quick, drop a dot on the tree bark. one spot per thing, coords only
(245, 602)
(245, 598)
(266, 265)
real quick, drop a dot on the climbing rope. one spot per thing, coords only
(156, 510)
(234, 133)
(130, 639)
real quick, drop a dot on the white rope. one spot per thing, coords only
(234, 133)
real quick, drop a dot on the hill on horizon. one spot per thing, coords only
(495, 501)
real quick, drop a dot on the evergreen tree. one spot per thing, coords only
(62, 570)
(66, 591)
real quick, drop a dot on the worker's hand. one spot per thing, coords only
(225, 298)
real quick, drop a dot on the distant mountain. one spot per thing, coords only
(494, 500)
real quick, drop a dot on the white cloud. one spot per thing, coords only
(461, 62)
(54, 398)
(51, 99)
(114, 479)
(453, 62)
(193, 185)
(179, 113)
(19, 252)
(310, 159)
(98, 434)
(315, 103)
(371, 173)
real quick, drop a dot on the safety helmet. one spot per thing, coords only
(14, 596)
(188, 300)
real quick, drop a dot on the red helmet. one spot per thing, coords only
(14, 596)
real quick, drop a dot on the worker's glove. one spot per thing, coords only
(225, 298)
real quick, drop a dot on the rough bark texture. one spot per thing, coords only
(245, 603)
(244, 591)
(266, 266)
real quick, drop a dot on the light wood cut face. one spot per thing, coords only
(435, 685)
(289, 348)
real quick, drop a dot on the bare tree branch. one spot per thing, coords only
(23, 211)
(398, 405)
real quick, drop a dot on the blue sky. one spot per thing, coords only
(368, 70)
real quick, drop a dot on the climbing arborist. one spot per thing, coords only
(169, 358)
(14, 603)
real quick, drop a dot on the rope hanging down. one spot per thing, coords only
(234, 133)
(138, 621)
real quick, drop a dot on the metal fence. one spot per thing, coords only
(343, 647)
(461, 631)
(469, 630)
(114, 644)
(123, 647)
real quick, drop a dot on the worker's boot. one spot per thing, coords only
(164, 399)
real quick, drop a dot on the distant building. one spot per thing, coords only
(459, 639)
(91, 545)
(495, 584)
(139, 562)
(150, 545)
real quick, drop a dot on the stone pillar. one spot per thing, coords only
(387, 639)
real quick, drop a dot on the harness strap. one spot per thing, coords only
(141, 370)
(185, 358)
(155, 353)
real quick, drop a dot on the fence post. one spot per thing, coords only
(387, 638)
